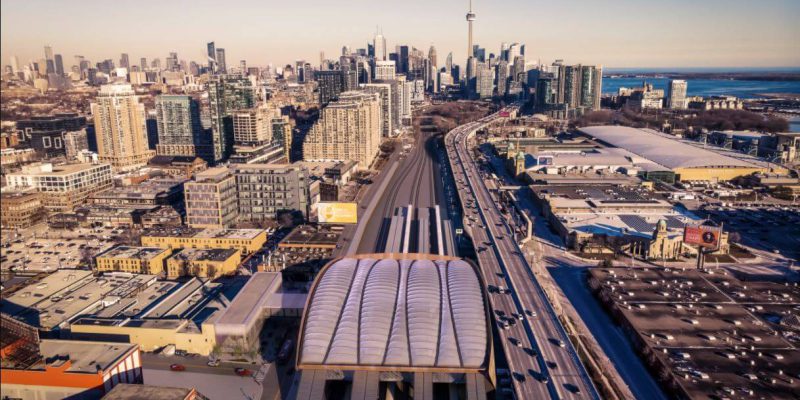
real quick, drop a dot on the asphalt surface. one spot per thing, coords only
(503, 264)
(611, 338)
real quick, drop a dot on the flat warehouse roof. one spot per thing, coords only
(417, 311)
(663, 150)
(248, 304)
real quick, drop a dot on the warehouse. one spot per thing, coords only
(687, 161)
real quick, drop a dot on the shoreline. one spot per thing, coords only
(723, 76)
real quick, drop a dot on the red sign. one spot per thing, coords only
(702, 235)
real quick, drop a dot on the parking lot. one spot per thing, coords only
(40, 249)
(771, 228)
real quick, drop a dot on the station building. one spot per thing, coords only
(389, 324)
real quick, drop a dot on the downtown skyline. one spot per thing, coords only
(676, 35)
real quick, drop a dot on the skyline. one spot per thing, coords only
(740, 35)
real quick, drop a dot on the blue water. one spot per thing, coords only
(794, 124)
(709, 87)
(717, 70)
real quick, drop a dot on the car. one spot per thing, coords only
(213, 363)
(243, 371)
(530, 313)
(572, 388)
(516, 342)
(545, 379)
(177, 367)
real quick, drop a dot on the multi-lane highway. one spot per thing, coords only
(543, 361)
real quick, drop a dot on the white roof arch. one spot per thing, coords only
(396, 313)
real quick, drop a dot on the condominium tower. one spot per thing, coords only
(120, 128)
(211, 200)
(348, 129)
(676, 94)
(179, 127)
(226, 93)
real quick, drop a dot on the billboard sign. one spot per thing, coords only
(544, 160)
(337, 213)
(702, 235)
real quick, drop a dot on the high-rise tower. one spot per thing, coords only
(379, 46)
(470, 18)
(120, 127)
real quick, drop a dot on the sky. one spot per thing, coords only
(616, 34)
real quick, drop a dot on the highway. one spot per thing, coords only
(545, 364)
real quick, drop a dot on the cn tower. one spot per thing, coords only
(470, 18)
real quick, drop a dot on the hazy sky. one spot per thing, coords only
(619, 33)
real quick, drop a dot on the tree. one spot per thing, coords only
(606, 263)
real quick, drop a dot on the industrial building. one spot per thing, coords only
(246, 240)
(203, 263)
(126, 391)
(240, 324)
(151, 192)
(179, 314)
(685, 160)
(56, 300)
(135, 260)
(603, 218)
(62, 187)
(705, 334)
(369, 329)
(58, 369)
(20, 209)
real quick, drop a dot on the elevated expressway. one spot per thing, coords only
(542, 360)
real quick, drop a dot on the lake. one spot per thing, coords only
(709, 87)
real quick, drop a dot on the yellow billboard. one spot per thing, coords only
(337, 213)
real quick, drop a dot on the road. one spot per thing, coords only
(554, 369)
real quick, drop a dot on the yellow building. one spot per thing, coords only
(136, 260)
(150, 334)
(245, 240)
(203, 263)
